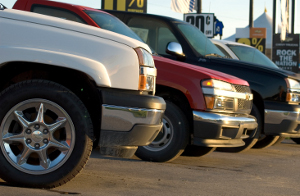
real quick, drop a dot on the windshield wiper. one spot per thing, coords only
(214, 55)
(2, 7)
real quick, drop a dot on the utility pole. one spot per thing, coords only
(251, 14)
(293, 16)
(274, 18)
(273, 26)
(199, 6)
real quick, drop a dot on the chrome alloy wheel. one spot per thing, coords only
(164, 137)
(37, 136)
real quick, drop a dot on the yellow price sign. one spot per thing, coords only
(258, 43)
(125, 5)
(139, 3)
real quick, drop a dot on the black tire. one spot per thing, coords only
(251, 141)
(280, 139)
(265, 141)
(296, 140)
(72, 136)
(197, 151)
(171, 141)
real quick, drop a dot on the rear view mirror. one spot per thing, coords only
(175, 48)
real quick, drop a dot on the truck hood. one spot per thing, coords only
(260, 68)
(208, 72)
(72, 26)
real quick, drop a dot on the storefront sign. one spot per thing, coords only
(286, 53)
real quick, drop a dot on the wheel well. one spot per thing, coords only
(258, 101)
(78, 82)
(179, 99)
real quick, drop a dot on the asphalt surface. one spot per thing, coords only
(271, 171)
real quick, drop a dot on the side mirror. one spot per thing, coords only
(174, 48)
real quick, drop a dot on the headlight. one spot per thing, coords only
(219, 103)
(293, 94)
(147, 73)
(221, 96)
(293, 84)
(145, 58)
(217, 84)
(293, 97)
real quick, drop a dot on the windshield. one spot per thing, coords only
(198, 40)
(251, 55)
(111, 23)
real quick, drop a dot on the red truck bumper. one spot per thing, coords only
(222, 130)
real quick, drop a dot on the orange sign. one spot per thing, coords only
(258, 32)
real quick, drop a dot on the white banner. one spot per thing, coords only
(284, 6)
(183, 6)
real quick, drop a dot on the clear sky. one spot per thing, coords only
(233, 13)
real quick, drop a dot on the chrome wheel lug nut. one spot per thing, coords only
(45, 141)
(28, 141)
(45, 131)
(36, 126)
(28, 131)
(36, 145)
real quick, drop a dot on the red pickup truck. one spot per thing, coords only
(205, 108)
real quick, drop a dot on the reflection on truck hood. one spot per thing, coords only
(72, 26)
(253, 66)
(194, 69)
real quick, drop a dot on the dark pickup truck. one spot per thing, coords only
(276, 92)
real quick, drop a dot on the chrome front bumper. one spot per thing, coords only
(283, 123)
(123, 129)
(118, 118)
(222, 130)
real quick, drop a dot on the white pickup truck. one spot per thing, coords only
(64, 85)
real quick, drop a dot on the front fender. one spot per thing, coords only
(92, 68)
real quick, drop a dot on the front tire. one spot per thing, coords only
(197, 151)
(280, 139)
(171, 141)
(266, 141)
(45, 134)
(296, 140)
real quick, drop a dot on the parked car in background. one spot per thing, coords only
(64, 84)
(276, 92)
(243, 52)
(205, 108)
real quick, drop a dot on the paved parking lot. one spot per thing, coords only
(272, 171)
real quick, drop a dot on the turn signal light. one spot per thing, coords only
(210, 102)
(143, 82)
(208, 83)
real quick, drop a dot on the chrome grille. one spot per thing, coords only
(242, 89)
(244, 104)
